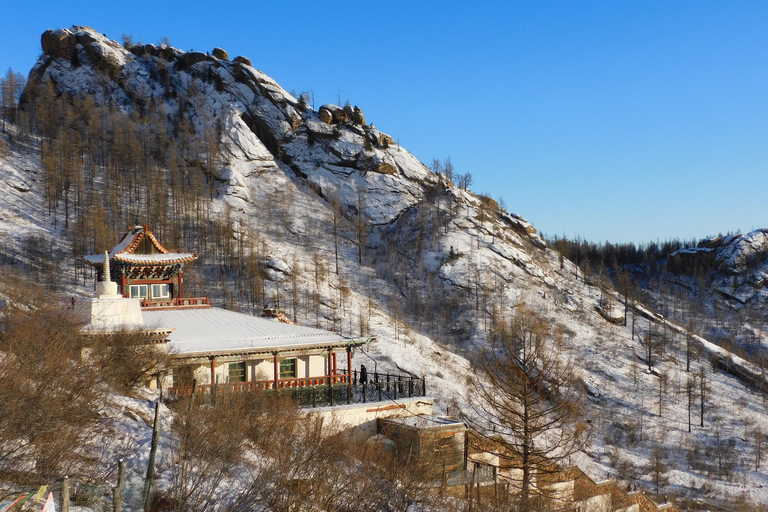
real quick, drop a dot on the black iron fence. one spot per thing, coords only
(375, 387)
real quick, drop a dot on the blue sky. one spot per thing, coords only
(620, 121)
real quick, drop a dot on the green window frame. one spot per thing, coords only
(237, 372)
(288, 368)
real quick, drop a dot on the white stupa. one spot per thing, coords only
(109, 311)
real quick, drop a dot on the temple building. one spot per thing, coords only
(143, 269)
(140, 286)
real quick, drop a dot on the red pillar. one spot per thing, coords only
(330, 365)
(213, 371)
(349, 365)
(277, 370)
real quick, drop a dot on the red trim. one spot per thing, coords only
(155, 242)
(259, 384)
(277, 371)
(176, 303)
(349, 361)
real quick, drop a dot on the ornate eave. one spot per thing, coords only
(124, 251)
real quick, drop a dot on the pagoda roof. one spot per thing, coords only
(126, 248)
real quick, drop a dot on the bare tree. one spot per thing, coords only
(526, 400)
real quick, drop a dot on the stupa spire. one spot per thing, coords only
(106, 286)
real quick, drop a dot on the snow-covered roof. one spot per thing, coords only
(124, 251)
(215, 331)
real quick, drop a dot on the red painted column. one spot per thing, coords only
(349, 365)
(213, 372)
(330, 365)
(277, 370)
(335, 368)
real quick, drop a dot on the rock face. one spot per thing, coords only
(264, 129)
(742, 252)
(58, 43)
(220, 54)
(358, 117)
(333, 114)
(326, 115)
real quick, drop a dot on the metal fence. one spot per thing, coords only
(375, 388)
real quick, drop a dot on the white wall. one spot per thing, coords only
(360, 419)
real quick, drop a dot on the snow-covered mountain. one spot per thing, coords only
(422, 264)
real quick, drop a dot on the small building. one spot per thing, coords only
(143, 269)
(434, 443)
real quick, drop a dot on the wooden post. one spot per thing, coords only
(349, 365)
(335, 367)
(65, 495)
(117, 492)
(276, 366)
(213, 372)
(152, 455)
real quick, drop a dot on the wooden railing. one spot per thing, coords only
(259, 384)
(324, 390)
(180, 302)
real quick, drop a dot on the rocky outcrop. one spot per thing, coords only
(384, 164)
(58, 43)
(742, 252)
(220, 54)
(332, 114)
(243, 60)
(191, 58)
(382, 139)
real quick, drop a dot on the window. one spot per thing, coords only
(160, 291)
(288, 368)
(137, 291)
(182, 376)
(237, 372)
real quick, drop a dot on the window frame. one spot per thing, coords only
(159, 285)
(138, 287)
(237, 372)
(288, 368)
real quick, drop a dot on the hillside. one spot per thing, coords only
(317, 211)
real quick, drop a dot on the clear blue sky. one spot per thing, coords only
(620, 121)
